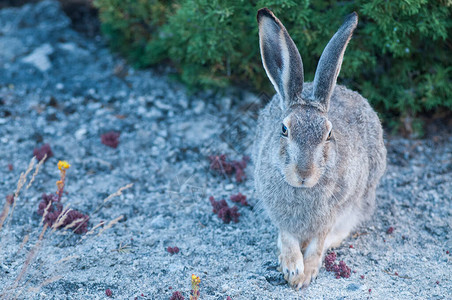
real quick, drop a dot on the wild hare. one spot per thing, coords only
(318, 153)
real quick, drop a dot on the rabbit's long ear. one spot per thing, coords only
(331, 60)
(280, 58)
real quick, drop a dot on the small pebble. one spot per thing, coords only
(229, 187)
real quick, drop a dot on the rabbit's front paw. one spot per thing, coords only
(292, 267)
(311, 270)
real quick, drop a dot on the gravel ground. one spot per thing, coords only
(61, 88)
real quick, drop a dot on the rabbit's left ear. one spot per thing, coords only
(280, 58)
(330, 62)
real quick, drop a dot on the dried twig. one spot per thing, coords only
(46, 211)
(20, 184)
(5, 212)
(93, 229)
(24, 241)
(67, 258)
(23, 177)
(396, 274)
(61, 218)
(359, 234)
(118, 192)
(123, 248)
(36, 171)
(110, 224)
(75, 222)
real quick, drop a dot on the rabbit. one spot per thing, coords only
(318, 151)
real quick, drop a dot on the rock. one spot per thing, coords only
(39, 58)
(229, 187)
(155, 151)
(141, 110)
(11, 48)
(71, 47)
(158, 222)
(199, 106)
(162, 105)
(80, 134)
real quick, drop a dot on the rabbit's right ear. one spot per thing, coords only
(280, 57)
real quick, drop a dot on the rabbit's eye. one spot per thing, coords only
(284, 130)
(329, 135)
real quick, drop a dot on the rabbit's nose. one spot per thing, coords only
(303, 173)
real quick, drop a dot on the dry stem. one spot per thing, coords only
(36, 170)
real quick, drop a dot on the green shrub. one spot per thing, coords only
(400, 56)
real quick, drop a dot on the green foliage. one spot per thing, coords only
(132, 24)
(400, 56)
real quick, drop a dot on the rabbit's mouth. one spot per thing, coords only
(294, 179)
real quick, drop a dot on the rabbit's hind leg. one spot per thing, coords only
(290, 258)
(344, 224)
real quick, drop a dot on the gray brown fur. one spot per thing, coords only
(349, 165)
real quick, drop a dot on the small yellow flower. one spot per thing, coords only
(63, 165)
(195, 279)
